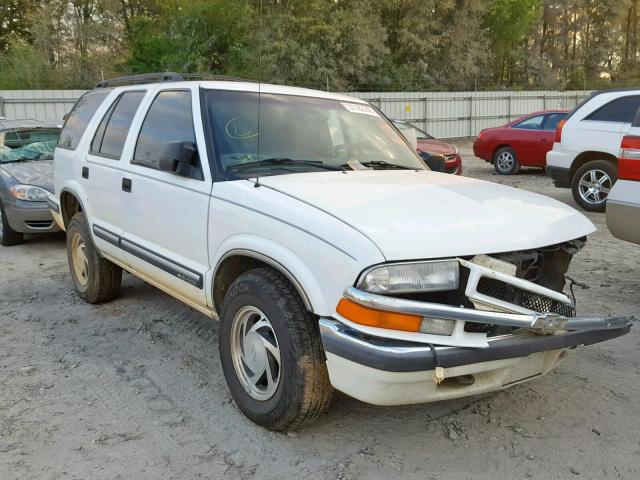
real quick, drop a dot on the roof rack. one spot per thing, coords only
(165, 77)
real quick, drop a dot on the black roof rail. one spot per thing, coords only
(613, 90)
(164, 77)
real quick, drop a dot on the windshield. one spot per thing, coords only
(302, 134)
(28, 145)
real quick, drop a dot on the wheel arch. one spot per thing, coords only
(237, 261)
(589, 156)
(70, 204)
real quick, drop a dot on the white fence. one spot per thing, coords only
(464, 114)
(443, 114)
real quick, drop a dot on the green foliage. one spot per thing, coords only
(335, 44)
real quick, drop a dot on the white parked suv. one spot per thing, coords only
(331, 255)
(585, 153)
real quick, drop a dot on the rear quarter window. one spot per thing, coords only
(79, 118)
(619, 110)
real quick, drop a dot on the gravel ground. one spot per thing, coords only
(134, 389)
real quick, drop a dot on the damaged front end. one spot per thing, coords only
(479, 324)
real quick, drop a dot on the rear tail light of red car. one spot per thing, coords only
(629, 159)
(558, 138)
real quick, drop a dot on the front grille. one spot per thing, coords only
(508, 293)
(450, 169)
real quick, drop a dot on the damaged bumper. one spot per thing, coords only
(384, 371)
(547, 322)
(392, 368)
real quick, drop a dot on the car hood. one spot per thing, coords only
(38, 173)
(434, 146)
(415, 215)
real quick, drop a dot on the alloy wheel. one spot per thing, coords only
(594, 186)
(79, 259)
(505, 161)
(255, 353)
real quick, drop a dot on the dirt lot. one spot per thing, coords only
(134, 389)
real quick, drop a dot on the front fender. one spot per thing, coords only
(290, 264)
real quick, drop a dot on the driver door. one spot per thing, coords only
(166, 226)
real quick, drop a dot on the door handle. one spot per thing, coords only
(126, 185)
(85, 172)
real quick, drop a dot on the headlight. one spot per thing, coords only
(432, 276)
(30, 193)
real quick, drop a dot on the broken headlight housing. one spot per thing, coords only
(432, 276)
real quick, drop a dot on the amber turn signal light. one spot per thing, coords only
(378, 318)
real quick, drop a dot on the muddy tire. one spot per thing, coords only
(505, 161)
(8, 236)
(271, 352)
(95, 279)
(591, 184)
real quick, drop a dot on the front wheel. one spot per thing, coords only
(95, 278)
(271, 352)
(505, 161)
(8, 236)
(592, 183)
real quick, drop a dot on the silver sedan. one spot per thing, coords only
(26, 178)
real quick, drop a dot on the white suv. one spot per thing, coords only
(585, 153)
(331, 255)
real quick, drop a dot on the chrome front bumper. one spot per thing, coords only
(547, 322)
(401, 356)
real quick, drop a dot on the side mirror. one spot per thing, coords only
(179, 158)
(435, 162)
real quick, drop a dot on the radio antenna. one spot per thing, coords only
(257, 184)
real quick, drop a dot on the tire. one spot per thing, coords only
(299, 390)
(505, 161)
(592, 183)
(95, 279)
(8, 236)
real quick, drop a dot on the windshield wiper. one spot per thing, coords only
(382, 165)
(283, 161)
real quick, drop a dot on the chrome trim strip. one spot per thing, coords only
(106, 235)
(546, 322)
(182, 272)
(286, 223)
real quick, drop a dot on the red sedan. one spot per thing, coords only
(521, 143)
(433, 146)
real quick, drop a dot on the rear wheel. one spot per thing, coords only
(592, 183)
(505, 161)
(8, 236)
(95, 279)
(271, 353)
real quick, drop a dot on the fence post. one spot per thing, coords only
(544, 101)
(3, 113)
(471, 115)
(508, 108)
(426, 114)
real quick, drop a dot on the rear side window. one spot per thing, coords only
(168, 120)
(114, 127)
(553, 119)
(620, 110)
(79, 118)
(531, 123)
